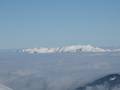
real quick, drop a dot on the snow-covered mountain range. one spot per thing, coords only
(69, 49)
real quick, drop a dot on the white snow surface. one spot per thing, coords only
(112, 78)
(3, 87)
(68, 49)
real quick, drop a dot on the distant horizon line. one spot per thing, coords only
(104, 46)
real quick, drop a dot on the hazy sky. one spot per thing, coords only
(51, 23)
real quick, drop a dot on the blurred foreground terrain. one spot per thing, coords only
(59, 71)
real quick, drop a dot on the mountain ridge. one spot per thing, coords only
(69, 49)
(108, 82)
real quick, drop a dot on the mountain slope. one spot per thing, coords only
(109, 82)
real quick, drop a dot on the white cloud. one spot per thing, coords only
(3, 87)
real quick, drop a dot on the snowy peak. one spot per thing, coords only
(81, 48)
(67, 49)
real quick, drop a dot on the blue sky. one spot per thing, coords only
(52, 23)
